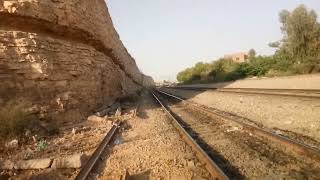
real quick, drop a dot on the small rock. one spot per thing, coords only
(70, 162)
(95, 119)
(191, 164)
(6, 165)
(33, 164)
(233, 129)
(12, 144)
(278, 132)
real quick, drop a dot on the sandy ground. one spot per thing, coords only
(87, 137)
(151, 148)
(299, 115)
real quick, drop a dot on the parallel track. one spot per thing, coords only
(211, 166)
(294, 145)
(306, 93)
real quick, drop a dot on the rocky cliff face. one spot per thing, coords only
(64, 55)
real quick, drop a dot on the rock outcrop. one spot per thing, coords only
(64, 55)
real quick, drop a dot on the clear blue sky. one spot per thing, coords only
(166, 36)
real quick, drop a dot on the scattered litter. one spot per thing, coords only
(73, 131)
(118, 141)
(12, 144)
(233, 129)
(34, 138)
(118, 112)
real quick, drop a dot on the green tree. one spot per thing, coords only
(301, 34)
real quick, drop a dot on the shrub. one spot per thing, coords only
(13, 118)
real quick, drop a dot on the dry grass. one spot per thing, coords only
(13, 118)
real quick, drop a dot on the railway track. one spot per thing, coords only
(306, 93)
(229, 149)
(242, 150)
(86, 170)
(211, 166)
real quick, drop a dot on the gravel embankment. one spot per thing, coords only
(151, 148)
(311, 81)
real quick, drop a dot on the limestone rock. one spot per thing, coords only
(96, 119)
(53, 49)
(33, 164)
(74, 161)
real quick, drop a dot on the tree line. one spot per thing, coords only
(298, 52)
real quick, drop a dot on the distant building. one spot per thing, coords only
(237, 57)
(164, 83)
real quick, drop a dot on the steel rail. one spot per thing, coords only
(211, 166)
(298, 147)
(309, 93)
(85, 171)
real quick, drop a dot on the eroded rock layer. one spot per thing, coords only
(64, 55)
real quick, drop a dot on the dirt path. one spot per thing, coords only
(151, 148)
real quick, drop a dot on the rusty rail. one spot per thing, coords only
(298, 147)
(85, 171)
(211, 166)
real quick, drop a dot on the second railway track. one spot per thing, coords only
(305, 93)
(240, 153)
